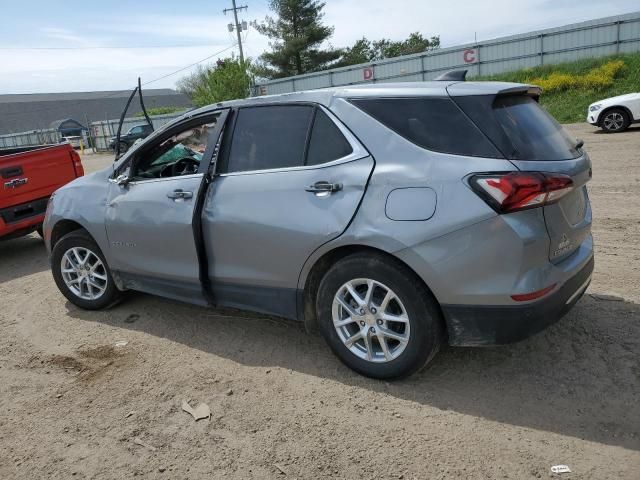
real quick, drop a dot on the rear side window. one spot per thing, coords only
(327, 142)
(269, 137)
(519, 127)
(432, 123)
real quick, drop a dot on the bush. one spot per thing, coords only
(598, 78)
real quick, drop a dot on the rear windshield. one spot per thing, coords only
(433, 123)
(519, 127)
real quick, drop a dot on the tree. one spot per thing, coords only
(365, 50)
(296, 37)
(228, 79)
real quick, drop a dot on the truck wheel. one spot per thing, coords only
(81, 272)
(377, 317)
(615, 120)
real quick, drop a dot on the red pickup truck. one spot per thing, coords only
(28, 176)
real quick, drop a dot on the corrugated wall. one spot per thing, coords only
(595, 38)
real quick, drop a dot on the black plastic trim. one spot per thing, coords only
(23, 211)
(482, 325)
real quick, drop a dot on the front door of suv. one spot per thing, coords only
(290, 179)
(149, 218)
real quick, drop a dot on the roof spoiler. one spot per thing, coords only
(452, 76)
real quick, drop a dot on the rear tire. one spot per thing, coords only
(615, 120)
(385, 348)
(81, 272)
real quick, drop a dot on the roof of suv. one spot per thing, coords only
(434, 88)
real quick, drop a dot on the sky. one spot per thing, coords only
(50, 46)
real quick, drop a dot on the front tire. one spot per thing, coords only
(81, 272)
(615, 120)
(378, 317)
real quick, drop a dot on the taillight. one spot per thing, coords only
(513, 191)
(77, 164)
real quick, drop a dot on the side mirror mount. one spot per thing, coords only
(121, 180)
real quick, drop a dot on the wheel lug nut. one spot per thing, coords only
(362, 323)
(379, 322)
(372, 330)
(373, 310)
(362, 311)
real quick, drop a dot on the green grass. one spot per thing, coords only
(571, 105)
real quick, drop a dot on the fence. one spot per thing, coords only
(595, 38)
(97, 137)
(103, 130)
(27, 139)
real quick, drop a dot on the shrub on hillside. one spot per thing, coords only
(596, 79)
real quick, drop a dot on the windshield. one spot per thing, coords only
(519, 127)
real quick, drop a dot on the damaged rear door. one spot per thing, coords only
(290, 179)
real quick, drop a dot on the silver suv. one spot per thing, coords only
(392, 217)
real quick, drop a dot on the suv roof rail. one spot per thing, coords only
(452, 75)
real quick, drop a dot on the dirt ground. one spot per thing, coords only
(73, 405)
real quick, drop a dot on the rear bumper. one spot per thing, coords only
(484, 325)
(22, 219)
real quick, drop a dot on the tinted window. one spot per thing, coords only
(269, 137)
(327, 142)
(432, 123)
(520, 127)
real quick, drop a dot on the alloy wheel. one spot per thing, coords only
(83, 273)
(613, 121)
(371, 320)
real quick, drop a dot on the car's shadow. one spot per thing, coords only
(579, 378)
(632, 129)
(21, 257)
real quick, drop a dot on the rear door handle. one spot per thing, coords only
(324, 188)
(179, 194)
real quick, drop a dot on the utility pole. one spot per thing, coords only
(238, 27)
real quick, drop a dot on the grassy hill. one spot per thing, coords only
(569, 88)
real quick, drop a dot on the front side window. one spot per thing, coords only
(180, 154)
(430, 122)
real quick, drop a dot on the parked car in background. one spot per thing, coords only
(615, 114)
(395, 217)
(129, 138)
(29, 176)
(75, 142)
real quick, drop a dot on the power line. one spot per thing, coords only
(118, 92)
(103, 47)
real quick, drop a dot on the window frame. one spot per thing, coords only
(358, 150)
(164, 134)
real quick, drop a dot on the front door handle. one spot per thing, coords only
(324, 188)
(179, 194)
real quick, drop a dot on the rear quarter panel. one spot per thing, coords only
(401, 164)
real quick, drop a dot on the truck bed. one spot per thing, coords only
(29, 175)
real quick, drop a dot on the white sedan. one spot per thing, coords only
(615, 114)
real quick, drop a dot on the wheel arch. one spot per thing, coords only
(614, 107)
(63, 227)
(321, 265)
